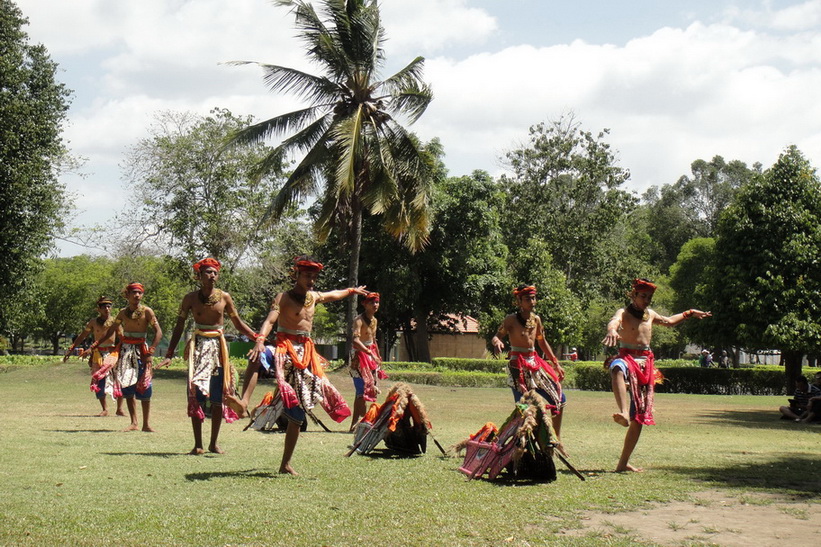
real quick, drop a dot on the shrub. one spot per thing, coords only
(688, 379)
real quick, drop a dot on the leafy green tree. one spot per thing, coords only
(693, 278)
(768, 253)
(68, 289)
(33, 107)
(461, 271)
(565, 190)
(690, 208)
(195, 195)
(357, 157)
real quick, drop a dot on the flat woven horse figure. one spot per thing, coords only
(401, 421)
(524, 445)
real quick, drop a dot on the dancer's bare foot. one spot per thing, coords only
(629, 468)
(287, 469)
(103, 413)
(120, 413)
(148, 429)
(239, 406)
(216, 449)
(132, 427)
(621, 419)
(196, 452)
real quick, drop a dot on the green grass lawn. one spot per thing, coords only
(69, 477)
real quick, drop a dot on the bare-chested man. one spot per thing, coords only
(210, 373)
(631, 328)
(101, 384)
(132, 373)
(365, 367)
(526, 370)
(294, 361)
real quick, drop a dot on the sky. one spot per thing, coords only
(673, 82)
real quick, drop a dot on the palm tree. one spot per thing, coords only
(356, 156)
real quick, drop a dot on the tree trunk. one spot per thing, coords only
(421, 337)
(353, 275)
(55, 343)
(792, 368)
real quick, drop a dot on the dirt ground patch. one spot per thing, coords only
(715, 518)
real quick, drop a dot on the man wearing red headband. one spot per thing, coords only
(526, 369)
(365, 368)
(132, 373)
(293, 360)
(631, 328)
(210, 374)
(101, 383)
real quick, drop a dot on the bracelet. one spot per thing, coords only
(259, 338)
(350, 291)
(150, 350)
(689, 313)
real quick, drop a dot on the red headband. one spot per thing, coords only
(134, 287)
(643, 285)
(308, 265)
(529, 290)
(371, 296)
(207, 263)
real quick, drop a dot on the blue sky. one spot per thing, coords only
(672, 81)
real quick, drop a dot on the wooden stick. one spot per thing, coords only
(569, 466)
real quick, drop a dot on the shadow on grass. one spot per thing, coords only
(151, 454)
(246, 474)
(750, 418)
(797, 473)
(82, 430)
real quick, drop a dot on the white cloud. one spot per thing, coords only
(425, 27)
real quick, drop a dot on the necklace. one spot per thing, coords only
(529, 324)
(637, 313)
(135, 314)
(306, 300)
(214, 298)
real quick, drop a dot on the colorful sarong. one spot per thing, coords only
(300, 374)
(369, 370)
(642, 380)
(207, 352)
(526, 371)
(133, 353)
(100, 373)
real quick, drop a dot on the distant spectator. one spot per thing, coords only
(800, 399)
(813, 413)
(705, 360)
(724, 360)
(574, 355)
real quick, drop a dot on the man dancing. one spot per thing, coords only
(132, 373)
(294, 361)
(210, 374)
(365, 367)
(101, 384)
(631, 328)
(526, 370)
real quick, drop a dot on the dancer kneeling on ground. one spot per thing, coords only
(294, 360)
(631, 328)
(210, 374)
(526, 370)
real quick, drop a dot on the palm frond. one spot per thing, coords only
(286, 123)
(347, 136)
(411, 103)
(410, 76)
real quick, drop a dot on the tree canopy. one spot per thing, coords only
(33, 107)
(768, 262)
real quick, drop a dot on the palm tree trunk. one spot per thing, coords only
(353, 275)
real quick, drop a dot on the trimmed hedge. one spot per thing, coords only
(681, 376)
(704, 381)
